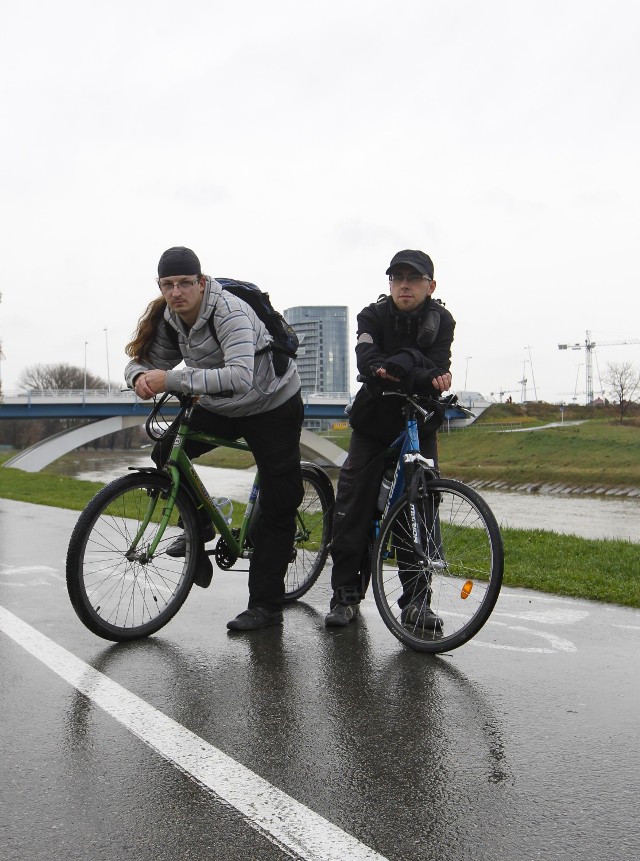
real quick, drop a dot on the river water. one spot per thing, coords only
(588, 517)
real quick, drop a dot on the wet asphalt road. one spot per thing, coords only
(520, 745)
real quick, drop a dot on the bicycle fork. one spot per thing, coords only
(424, 520)
(134, 554)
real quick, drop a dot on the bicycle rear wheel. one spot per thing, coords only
(438, 603)
(117, 592)
(314, 525)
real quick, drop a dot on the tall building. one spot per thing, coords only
(323, 356)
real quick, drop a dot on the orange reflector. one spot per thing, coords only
(466, 589)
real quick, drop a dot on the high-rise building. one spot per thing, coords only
(323, 355)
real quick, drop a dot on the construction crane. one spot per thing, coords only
(588, 347)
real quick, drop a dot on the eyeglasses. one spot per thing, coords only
(413, 278)
(182, 284)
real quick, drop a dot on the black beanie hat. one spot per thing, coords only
(178, 261)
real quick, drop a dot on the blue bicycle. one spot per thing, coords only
(435, 554)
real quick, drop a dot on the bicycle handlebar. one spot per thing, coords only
(396, 389)
(155, 423)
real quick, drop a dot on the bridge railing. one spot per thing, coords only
(30, 395)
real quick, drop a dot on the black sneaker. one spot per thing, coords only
(420, 616)
(178, 547)
(254, 618)
(341, 615)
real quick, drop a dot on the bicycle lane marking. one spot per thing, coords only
(545, 615)
(24, 573)
(559, 644)
(281, 819)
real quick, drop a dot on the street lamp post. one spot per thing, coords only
(466, 372)
(84, 388)
(106, 341)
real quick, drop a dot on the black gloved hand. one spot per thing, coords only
(400, 364)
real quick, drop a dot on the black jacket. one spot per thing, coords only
(401, 343)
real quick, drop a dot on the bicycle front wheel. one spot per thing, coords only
(436, 596)
(118, 590)
(314, 526)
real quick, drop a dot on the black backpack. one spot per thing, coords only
(285, 341)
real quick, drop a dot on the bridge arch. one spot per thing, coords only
(313, 447)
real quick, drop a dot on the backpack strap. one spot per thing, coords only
(172, 335)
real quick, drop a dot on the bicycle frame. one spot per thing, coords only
(409, 460)
(408, 444)
(181, 470)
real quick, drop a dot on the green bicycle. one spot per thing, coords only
(122, 581)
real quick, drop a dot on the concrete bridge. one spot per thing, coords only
(113, 411)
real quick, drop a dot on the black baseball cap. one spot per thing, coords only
(418, 259)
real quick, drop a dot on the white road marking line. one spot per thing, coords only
(278, 817)
(552, 616)
(559, 643)
(12, 571)
(28, 585)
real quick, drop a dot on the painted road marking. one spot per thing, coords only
(281, 819)
(45, 570)
(560, 644)
(548, 616)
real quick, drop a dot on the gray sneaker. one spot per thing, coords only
(420, 616)
(341, 615)
(178, 547)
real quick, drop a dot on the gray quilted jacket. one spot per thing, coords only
(227, 365)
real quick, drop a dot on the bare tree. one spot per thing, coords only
(61, 376)
(623, 380)
(24, 432)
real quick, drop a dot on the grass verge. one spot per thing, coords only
(599, 570)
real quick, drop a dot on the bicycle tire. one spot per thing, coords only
(122, 598)
(462, 574)
(314, 526)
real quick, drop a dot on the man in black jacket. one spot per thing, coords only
(402, 338)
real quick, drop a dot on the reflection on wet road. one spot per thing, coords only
(521, 744)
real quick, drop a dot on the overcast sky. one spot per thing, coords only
(300, 144)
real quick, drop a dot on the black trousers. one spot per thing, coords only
(356, 497)
(274, 440)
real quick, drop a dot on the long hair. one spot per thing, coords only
(140, 344)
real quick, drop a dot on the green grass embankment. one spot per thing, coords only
(590, 455)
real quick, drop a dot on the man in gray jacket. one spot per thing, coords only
(240, 396)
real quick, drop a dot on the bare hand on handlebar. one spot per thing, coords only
(150, 383)
(385, 375)
(442, 382)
